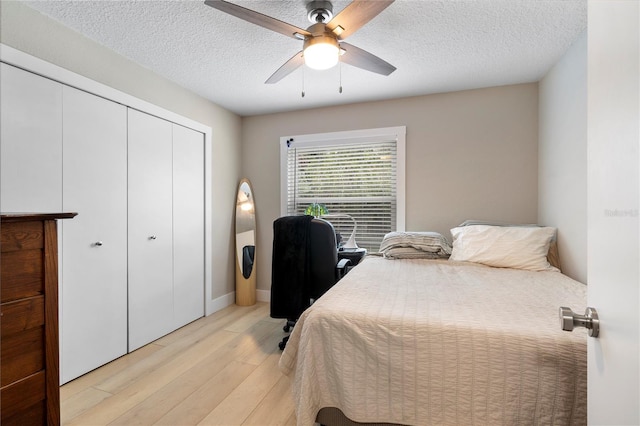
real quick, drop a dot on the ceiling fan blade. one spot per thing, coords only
(354, 16)
(290, 66)
(257, 18)
(365, 60)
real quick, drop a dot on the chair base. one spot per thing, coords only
(287, 327)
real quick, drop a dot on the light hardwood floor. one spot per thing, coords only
(218, 370)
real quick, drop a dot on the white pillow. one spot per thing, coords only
(503, 246)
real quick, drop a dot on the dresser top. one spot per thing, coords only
(24, 217)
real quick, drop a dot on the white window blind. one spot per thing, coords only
(355, 177)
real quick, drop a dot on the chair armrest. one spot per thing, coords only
(342, 268)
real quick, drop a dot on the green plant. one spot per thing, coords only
(315, 209)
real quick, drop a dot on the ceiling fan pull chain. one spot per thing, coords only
(303, 82)
(340, 66)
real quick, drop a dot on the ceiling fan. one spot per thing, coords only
(323, 43)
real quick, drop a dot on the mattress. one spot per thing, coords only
(436, 342)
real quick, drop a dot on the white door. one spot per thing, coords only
(30, 142)
(188, 225)
(613, 207)
(150, 228)
(93, 325)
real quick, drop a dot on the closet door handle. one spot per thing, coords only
(98, 244)
(153, 237)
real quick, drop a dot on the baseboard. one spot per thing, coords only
(220, 303)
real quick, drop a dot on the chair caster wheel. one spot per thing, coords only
(283, 343)
(286, 328)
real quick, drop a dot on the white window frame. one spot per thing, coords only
(351, 137)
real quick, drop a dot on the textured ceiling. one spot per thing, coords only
(437, 46)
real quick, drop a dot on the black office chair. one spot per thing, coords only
(304, 265)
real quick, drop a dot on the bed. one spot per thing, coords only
(437, 342)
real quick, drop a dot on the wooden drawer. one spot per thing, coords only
(33, 415)
(21, 236)
(21, 274)
(23, 401)
(22, 257)
(22, 355)
(21, 315)
(22, 345)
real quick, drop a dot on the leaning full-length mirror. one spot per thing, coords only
(245, 245)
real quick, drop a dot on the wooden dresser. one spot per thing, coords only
(29, 383)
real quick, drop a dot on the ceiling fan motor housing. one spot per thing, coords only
(319, 11)
(320, 34)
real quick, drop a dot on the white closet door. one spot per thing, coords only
(188, 225)
(94, 266)
(31, 136)
(150, 229)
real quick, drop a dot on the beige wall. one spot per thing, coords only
(29, 31)
(562, 173)
(470, 154)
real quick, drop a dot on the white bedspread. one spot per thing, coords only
(430, 342)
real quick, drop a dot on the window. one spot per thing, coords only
(359, 173)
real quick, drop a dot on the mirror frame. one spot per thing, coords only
(245, 286)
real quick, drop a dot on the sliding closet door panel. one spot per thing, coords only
(150, 229)
(31, 142)
(188, 225)
(94, 265)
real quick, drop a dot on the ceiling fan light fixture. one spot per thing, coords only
(321, 52)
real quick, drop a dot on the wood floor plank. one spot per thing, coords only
(275, 408)
(220, 369)
(145, 367)
(164, 399)
(168, 353)
(198, 405)
(106, 371)
(217, 320)
(264, 345)
(291, 421)
(136, 392)
(262, 310)
(81, 402)
(237, 406)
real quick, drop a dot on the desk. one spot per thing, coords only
(354, 255)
